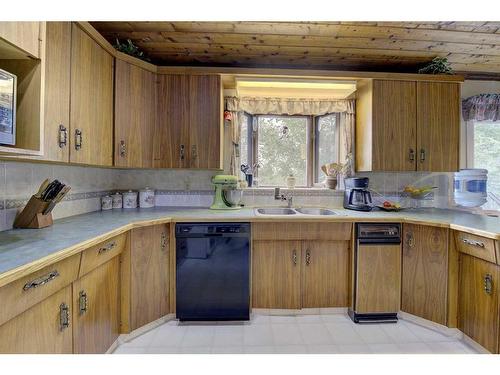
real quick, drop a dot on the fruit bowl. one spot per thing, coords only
(421, 193)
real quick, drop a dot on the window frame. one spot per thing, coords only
(311, 144)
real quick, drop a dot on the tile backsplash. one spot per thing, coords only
(20, 180)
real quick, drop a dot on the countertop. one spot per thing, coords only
(23, 251)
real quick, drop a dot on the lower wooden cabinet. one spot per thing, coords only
(44, 328)
(478, 307)
(147, 284)
(325, 274)
(425, 272)
(96, 309)
(276, 274)
(299, 274)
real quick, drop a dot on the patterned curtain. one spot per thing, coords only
(235, 130)
(483, 107)
(284, 106)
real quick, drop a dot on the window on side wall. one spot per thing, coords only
(283, 145)
(483, 145)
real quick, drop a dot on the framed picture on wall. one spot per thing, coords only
(8, 84)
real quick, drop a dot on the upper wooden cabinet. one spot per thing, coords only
(407, 126)
(438, 126)
(135, 115)
(57, 91)
(425, 272)
(189, 126)
(24, 35)
(91, 111)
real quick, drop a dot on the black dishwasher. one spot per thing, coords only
(212, 271)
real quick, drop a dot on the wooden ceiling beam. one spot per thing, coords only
(309, 41)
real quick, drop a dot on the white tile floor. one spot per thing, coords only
(319, 334)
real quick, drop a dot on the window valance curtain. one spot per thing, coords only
(280, 106)
(284, 106)
(483, 107)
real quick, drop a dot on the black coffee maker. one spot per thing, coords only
(356, 195)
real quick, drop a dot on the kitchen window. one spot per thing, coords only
(483, 143)
(283, 145)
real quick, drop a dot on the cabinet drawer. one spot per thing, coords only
(479, 247)
(21, 294)
(99, 254)
(302, 231)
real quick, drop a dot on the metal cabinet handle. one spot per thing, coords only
(194, 152)
(488, 283)
(63, 136)
(471, 242)
(308, 257)
(294, 257)
(123, 149)
(108, 247)
(163, 241)
(41, 280)
(63, 316)
(411, 154)
(82, 302)
(182, 152)
(422, 155)
(78, 139)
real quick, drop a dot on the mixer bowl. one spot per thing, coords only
(234, 196)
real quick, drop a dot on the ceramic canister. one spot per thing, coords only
(146, 198)
(106, 203)
(117, 200)
(130, 199)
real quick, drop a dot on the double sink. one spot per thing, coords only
(276, 211)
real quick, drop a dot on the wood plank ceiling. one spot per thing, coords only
(472, 48)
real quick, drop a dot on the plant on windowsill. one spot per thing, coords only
(131, 49)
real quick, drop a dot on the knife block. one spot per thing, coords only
(32, 215)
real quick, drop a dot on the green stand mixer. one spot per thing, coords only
(227, 195)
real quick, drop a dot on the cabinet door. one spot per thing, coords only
(205, 121)
(149, 299)
(172, 134)
(135, 113)
(25, 35)
(276, 274)
(394, 126)
(57, 91)
(44, 328)
(91, 101)
(438, 126)
(325, 273)
(478, 301)
(425, 272)
(378, 279)
(96, 309)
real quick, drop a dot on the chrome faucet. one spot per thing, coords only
(283, 197)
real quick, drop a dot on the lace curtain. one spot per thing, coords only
(283, 106)
(483, 107)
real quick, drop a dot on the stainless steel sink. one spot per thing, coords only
(315, 211)
(276, 211)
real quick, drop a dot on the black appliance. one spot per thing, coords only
(356, 195)
(212, 271)
(377, 273)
